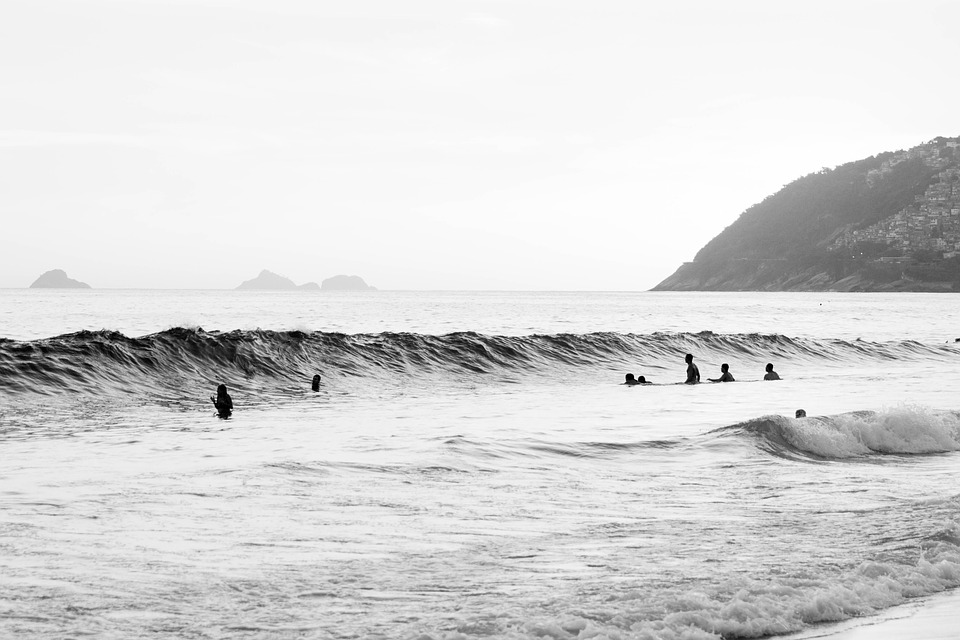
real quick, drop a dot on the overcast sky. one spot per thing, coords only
(515, 144)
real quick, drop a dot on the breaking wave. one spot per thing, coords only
(906, 430)
(753, 608)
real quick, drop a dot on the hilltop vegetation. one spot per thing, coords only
(888, 222)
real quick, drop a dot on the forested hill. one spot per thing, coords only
(889, 222)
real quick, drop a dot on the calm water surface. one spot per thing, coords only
(27, 314)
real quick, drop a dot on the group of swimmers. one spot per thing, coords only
(693, 377)
(224, 403)
(693, 374)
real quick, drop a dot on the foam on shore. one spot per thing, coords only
(932, 618)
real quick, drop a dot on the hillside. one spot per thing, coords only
(890, 222)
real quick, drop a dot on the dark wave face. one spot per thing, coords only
(107, 362)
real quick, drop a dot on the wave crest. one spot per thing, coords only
(105, 361)
(905, 430)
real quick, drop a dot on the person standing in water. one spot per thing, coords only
(771, 374)
(725, 375)
(693, 373)
(222, 402)
(315, 385)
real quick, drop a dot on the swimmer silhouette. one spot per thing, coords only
(315, 385)
(693, 373)
(642, 380)
(801, 413)
(630, 380)
(222, 402)
(725, 375)
(771, 374)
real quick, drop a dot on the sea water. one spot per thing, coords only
(471, 466)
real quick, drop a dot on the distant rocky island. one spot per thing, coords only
(58, 279)
(890, 222)
(346, 283)
(269, 281)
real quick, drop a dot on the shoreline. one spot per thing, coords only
(929, 618)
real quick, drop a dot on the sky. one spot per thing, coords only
(474, 145)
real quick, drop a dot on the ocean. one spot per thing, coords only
(472, 466)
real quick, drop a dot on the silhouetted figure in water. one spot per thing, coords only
(315, 385)
(725, 375)
(771, 374)
(222, 402)
(801, 413)
(642, 380)
(630, 380)
(693, 373)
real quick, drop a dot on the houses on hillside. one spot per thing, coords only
(931, 223)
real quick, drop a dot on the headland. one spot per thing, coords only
(890, 222)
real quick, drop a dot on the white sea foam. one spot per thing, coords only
(753, 609)
(900, 430)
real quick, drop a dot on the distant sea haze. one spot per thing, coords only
(471, 463)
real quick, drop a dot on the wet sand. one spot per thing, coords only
(933, 618)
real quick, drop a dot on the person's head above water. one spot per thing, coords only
(801, 413)
(629, 378)
(641, 380)
(771, 374)
(222, 390)
(724, 367)
(688, 358)
(315, 385)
